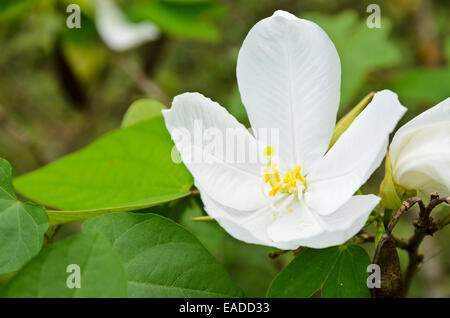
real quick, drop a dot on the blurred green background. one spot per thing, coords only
(62, 88)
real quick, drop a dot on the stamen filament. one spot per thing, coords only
(272, 176)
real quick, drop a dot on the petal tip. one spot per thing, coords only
(284, 14)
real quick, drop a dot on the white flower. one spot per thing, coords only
(420, 151)
(117, 32)
(288, 74)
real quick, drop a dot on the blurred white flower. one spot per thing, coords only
(420, 151)
(288, 73)
(117, 32)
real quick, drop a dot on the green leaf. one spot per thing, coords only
(360, 49)
(22, 225)
(337, 271)
(161, 258)
(187, 20)
(210, 234)
(14, 7)
(348, 278)
(140, 110)
(423, 85)
(128, 169)
(187, 1)
(87, 60)
(101, 271)
(248, 264)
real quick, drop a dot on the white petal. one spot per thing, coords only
(303, 227)
(249, 227)
(356, 154)
(289, 73)
(420, 151)
(299, 225)
(201, 129)
(349, 219)
(117, 32)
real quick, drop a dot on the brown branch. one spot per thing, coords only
(275, 254)
(424, 226)
(400, 242)
(194, 192)
(405, 207)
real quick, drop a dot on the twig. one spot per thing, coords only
(424, 226)
(364, 237)
(277, 253)
(195, 192)
(400, 242)
(405, 207)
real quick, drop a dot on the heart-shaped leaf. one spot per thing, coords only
(128, 169)
(161, 258)
(336, 271)
(22, 225)
(53, 273)
(141, 110)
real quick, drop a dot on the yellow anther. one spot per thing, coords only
(290, 210)
(269, 151)
(272, 175)
(296, 173)
(275, 190)
(277, 176)
(301, 178)
(296, 170)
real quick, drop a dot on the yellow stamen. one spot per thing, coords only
(272, 175)
(296, 173)
(277, 176)
(275, 190)
(301, 178)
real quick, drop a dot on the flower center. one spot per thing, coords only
(272, 176)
